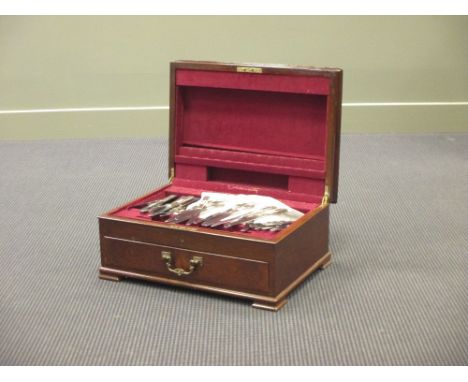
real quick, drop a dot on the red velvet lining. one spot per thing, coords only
(251, 130)
(275, 164)
(249, 81)
(249, 178)
(248, 133)
(268, 123)
(251, 121)
(231, 187)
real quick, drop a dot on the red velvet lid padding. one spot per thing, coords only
(266, 130)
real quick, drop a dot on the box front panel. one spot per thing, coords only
(190, 266)
(186, 238)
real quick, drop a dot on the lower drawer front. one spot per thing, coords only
(197, 267)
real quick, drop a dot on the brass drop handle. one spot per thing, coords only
(195, 261)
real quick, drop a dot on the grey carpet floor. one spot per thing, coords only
(397, 292)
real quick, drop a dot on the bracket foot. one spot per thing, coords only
(274, 306)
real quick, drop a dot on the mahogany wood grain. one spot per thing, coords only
(301, 249)
(237, 273)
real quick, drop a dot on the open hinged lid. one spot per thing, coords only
(268, 127)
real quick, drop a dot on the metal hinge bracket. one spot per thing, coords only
(171, 175)
(326, 197)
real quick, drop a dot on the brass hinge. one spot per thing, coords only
(171, 175)
(326, 197)
(249, 69)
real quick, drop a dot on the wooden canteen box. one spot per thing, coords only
(270, 130)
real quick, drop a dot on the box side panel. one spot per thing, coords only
(301, 249)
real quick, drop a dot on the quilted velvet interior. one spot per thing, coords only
(249, 133)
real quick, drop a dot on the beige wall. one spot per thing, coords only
(88, 62)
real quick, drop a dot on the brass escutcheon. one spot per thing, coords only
(249, 69)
